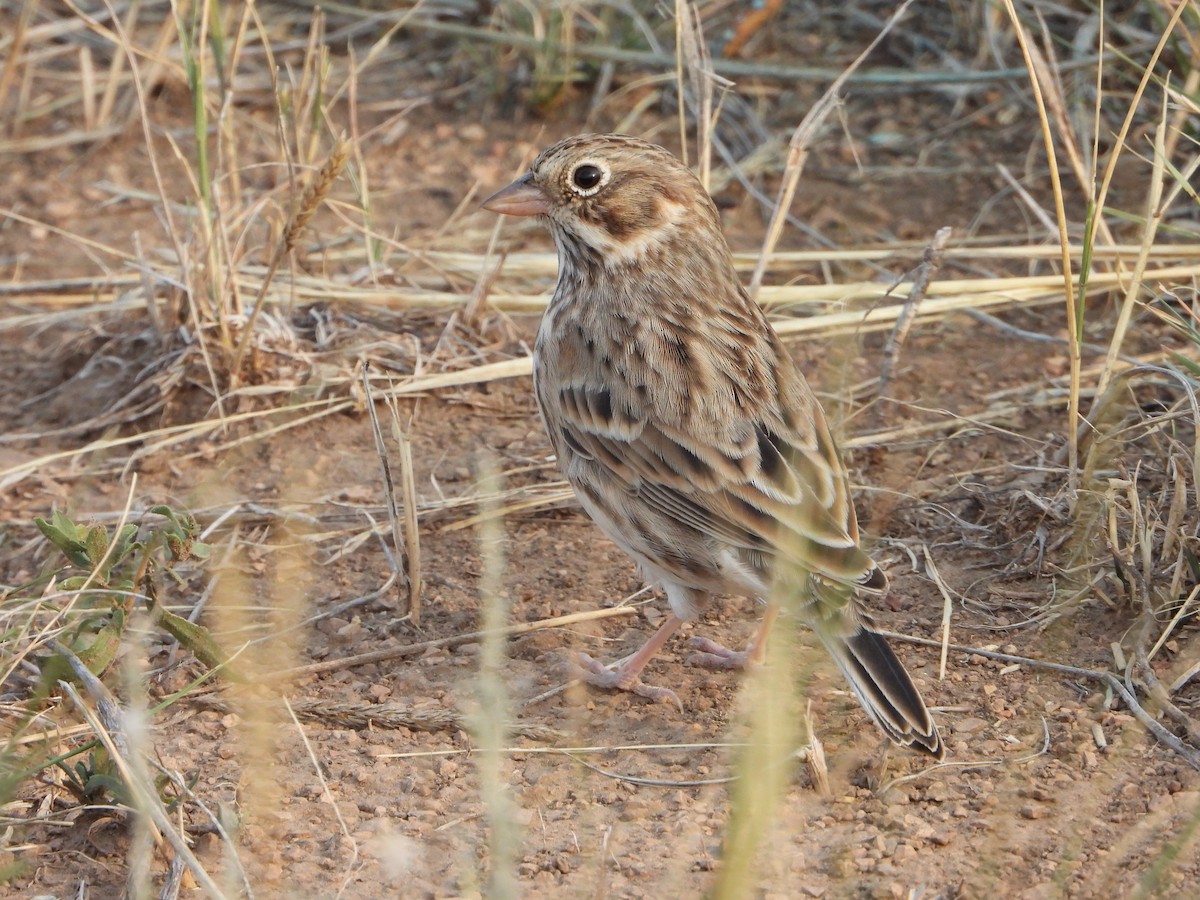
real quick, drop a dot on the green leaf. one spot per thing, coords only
(102, 782)
(100, 654)
(64, 539)
(97, 655)
(1185, 363)
(63, 522)
(97, 544)
(161, 509)
(199, 640)
(125, 543)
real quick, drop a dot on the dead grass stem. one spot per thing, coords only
(797, 153)
(407, 650)
(1074, 320)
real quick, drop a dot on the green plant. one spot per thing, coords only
(106, 573)
(98, 779)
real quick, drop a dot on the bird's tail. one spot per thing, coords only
(885, 689)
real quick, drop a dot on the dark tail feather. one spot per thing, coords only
(885, 689)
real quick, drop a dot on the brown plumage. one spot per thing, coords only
(684, 426)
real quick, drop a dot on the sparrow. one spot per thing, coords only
(685, 428)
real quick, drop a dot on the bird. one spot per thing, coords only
(685, 428)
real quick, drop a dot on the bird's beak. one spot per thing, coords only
(521, 198)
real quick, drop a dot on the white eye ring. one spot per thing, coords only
(595, 175)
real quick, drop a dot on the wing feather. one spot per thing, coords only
(774, 493)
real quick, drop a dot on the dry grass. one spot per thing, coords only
(208, 305)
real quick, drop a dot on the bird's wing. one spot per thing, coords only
(770, 485)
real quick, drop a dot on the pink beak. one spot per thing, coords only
(521, 198)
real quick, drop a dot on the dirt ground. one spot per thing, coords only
(1051, 787)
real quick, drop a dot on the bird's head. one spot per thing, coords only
(611, 197)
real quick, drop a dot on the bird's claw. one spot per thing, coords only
(711, 655)
(597, 673)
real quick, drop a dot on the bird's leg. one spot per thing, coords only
(625, 676)
(711, 655)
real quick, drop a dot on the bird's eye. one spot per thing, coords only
(587, 178)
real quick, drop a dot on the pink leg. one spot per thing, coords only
(712, 655)
(626, 675)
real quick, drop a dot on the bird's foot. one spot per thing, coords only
(619, 678)
(711, 655)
